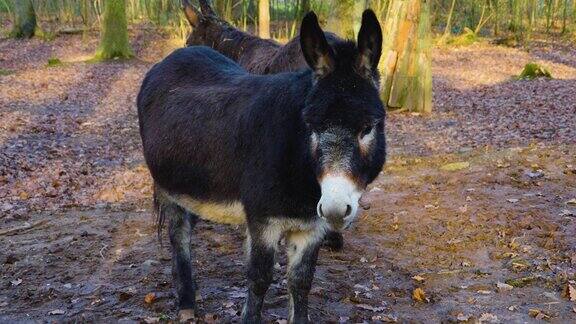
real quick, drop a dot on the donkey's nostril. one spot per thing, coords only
(320, 210)
(348, 210)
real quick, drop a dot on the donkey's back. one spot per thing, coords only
(187, 67)
(203, 120)
(189, 112)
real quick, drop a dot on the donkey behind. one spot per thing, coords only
(289, 154)
(256, 55)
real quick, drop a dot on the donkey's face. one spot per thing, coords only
(206, 25)
(344, 115)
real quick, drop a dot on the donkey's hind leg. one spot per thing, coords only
(180, 224)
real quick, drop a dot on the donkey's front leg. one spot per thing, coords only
(302, 255)
(262, 242)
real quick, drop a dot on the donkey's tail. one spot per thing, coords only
(158, 212)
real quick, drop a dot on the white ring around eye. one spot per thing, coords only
(314, 141)
(368, 138)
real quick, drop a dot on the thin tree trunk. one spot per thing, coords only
(448, 27)
(341, 19)
(531, 20)
(565, 17)
(555, 12)
(85, 19)
(24, 19)
(114, 41)
(496, 17)
(264, 18)
(303, 8)
(548, 15)
(481, 21)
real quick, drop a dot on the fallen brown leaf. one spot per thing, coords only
(150, 298)
(538, 314)
(488, 318)
(419, 278)
(420, 296)
(569, 292)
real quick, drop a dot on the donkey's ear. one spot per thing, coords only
(192, 14)
(206, 7)
(317, 52)
(369, 42)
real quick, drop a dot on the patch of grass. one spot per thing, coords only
(4, 72)
(53, 62)
(468, 37)
(533, 70)
(45, 35)
(521, 282)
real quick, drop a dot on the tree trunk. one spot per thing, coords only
(565, 17)
(303, 8)
(496, 18)
(448, 28)
(114, 32)
(548, 15)
(24, 19)
(517, 21)
(531, 20)
(346, 16)
(85, 19)
(406, 65)
(264, 18)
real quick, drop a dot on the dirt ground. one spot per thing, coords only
(473, 218)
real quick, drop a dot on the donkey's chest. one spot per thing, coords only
(219, 212)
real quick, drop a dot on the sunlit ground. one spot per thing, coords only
(70, 154)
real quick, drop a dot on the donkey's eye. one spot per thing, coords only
(367, 130)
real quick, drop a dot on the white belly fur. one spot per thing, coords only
(226, 213)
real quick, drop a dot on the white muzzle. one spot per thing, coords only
(339, 202)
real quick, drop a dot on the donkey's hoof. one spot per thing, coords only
(333, 241)
(186, 315)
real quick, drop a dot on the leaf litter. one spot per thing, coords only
(71, 157)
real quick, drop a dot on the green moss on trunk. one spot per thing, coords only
(114, 33)
(406, 64)
(24, 19)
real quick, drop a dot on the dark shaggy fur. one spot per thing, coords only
(214, 133)
(256, 55)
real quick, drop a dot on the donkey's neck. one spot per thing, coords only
(300, 160)
(235, 44)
